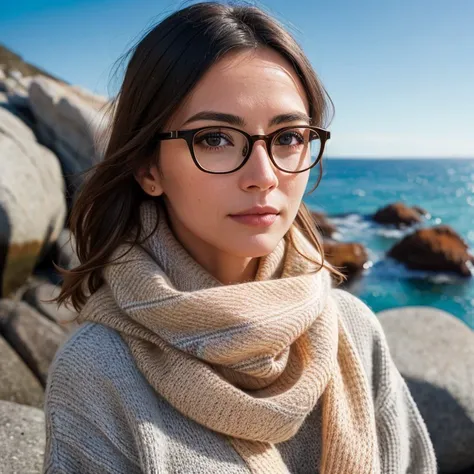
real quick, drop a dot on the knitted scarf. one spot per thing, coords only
(248, 360)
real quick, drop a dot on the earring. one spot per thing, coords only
(153, 189)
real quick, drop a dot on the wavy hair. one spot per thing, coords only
(164, 67)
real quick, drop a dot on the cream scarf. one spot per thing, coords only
(249, 360)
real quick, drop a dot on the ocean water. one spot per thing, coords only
(353, 189)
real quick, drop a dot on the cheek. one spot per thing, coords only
(294, 187)
(192, 193)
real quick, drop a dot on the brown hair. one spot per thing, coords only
(165, 65)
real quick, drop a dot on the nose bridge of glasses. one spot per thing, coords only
(256, 138)
(267, 159)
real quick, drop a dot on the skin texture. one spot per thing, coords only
(255, 85)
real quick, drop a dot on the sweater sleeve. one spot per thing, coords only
(403, 439)
(402, 433)
(83, 434)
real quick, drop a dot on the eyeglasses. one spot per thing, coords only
(223, 150)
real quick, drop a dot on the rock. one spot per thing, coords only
(68, 122)
(37, 294)
(95, 101)
(420, 210)
(398, 214)
(17, 382)
(66, 250)
(10, 61)
(437, 248)
(35, 338)
(16, 87)
(22, 438)
(348, 256)
(434, 351)
(32, 203)
(469, 470)
(324, 226)
(15, 129)
(3, 76)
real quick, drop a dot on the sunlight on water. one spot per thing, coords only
(352, 190)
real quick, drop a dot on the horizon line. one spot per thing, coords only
(403, 157)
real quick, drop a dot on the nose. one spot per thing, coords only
(259, 173)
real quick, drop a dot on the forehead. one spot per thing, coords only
(253, 84)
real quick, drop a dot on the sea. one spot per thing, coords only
(352, 190)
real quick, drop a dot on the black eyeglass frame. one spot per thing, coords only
(188, 136)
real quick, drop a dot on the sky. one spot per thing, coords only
(400, 72)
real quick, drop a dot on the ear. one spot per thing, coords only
(149, 178)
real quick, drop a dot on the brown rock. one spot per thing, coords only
(398, 214)
(17, 382)
(437, 248)
(324, 226)
(420, 210)
(349, 257)
(34, 338)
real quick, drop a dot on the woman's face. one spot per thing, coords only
(255, 86)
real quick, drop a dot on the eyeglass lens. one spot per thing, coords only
(221, 149)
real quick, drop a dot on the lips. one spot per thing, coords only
(259, 216)
(257, 210)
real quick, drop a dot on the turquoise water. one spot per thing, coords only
(351, 190)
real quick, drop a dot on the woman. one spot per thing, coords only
(213, 341)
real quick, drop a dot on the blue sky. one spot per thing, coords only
(401, 73)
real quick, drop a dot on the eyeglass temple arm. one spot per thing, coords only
(167, 135)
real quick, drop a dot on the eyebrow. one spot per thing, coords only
(239, 121)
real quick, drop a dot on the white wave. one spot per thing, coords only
(337, 236)
(350, 222)
(391, 233)
(441, 278)
(391, 268)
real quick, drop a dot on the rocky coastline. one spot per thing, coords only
(49, 135)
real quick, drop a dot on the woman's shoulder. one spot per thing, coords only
(94, 397)
(91, 346)
(93, 363)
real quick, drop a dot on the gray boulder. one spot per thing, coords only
(34, 337)
(32, 202)
(3, 76)
(15, 129)
(66, 250)
(37, 295)
(434, 351)
(69, 122)
(17, 382)
(16, 87)
(22, 438)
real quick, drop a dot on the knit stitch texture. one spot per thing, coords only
(302, 383)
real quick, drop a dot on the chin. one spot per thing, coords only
(254, 246)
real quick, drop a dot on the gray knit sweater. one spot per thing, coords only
(102, 416)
